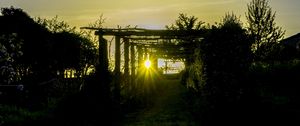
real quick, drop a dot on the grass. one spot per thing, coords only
(169, 108)
(16, 116)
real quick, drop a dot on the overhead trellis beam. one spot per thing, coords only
(145, 32)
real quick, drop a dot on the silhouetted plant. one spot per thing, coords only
(48, 40)
(65, 41)
(224, 50)
(50, 47)
(10, 51)
(185, 22)
(188, 43)
(35, 55)
(262, 27)
(55, 25)
(221, 63)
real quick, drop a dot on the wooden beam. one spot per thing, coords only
(132, 59)
(165, 33)
(126, 58)
(145, 53)
(154, 59)
(140, 58)
(117, 71)
(103, 58)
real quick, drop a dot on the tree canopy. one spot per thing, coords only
(48, 45)
(188, 43)
(262, 27)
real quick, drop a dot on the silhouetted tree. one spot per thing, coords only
(186, 23)
(225, 49)
(71, 49)
(35, 40)
(224, 58)
(226, 52)
(94, 38)
(49, 48)
(54, 25)
(263, 29)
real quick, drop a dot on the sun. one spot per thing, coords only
(147, 63)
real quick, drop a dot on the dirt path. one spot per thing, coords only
(169, 108)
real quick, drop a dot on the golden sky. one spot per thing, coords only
(151, 13)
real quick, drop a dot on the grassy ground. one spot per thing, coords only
(169, 108)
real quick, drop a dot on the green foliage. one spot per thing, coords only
(222, 57)
(12, 115)
(217, 75)
(193, 76)
(263, 29)
(10, 51)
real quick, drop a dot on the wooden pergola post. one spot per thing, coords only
(126, 58)
(140, 57)
(126, 63)
(102, 70)
(102, 90)
(132, 59)
(154, 60)
(98, 92)
(103, 58)
(117, 71)
(140, 65)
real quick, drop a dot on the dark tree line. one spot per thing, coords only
(35, 53)
(48, 46)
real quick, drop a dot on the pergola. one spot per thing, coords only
(136, 38)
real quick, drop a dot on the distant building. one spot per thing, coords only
(291, 48)
(293, 41)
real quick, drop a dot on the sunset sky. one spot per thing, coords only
(151, 13)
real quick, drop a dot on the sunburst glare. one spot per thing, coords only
(147, 63)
